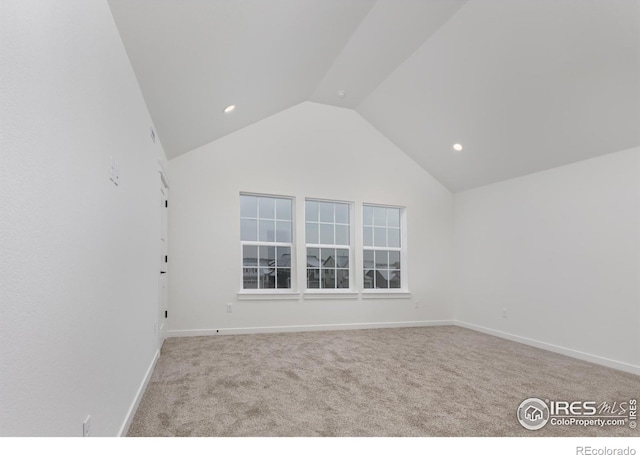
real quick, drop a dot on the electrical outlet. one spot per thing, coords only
(417, 304)
(505, 314)
(229, 307)
(86, 427)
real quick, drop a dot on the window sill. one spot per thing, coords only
(400, 294)
(330, 295)
(244, 295)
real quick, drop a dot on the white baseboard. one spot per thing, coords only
(305, 328)
(124, 429)
(629, 368)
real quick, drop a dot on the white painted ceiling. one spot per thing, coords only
(523, 85)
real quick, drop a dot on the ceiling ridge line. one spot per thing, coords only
(399, 65)
(339, 53)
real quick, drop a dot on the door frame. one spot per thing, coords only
(163, 266)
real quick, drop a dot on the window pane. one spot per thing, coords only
(250, 278)
(342, 258)
(313, 257)
(394, 281)
(368, 259)
(394, 237)
(379, 216)
(283, 256)
(283, 278)
(326, 234)
(328, 258)
(382, 279)
(342, 234)
(267, 256)
(328, 279)
(312, 234)
(382, 260)
(368, 279)
(393, 217)
(248, 206)
(267, 231)
(394, 259)
(250, 255)
(267, 278)
(326, 212)
(267, 208)
(311, 211)
(342, 279)
(342, 213)
(283, 231)
(379, 236)
(368, 236)
(283, 209)
(266, 220)
(367, 215)
(249, 230)
(313, 278)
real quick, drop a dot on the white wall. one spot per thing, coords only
(560, 251)
(309, 150)
(78, 274)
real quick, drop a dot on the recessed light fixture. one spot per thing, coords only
(230, 108)
(457, 147)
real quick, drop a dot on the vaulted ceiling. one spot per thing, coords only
(523, 85)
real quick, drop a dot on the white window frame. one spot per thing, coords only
(269, 293)
(351, 291)
(403, 290)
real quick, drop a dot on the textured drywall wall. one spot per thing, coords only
(79, 268)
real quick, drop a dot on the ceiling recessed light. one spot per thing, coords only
(230, 108)
(457, 147)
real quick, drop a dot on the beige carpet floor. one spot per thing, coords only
(432, 381)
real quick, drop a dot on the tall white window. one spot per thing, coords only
(327, 234)
(266, 239)
(382, 247)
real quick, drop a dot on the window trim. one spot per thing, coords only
(261, 293)
(403, 290)
(331, 293)
(385, 294)
(272, 294)
(356, 248)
